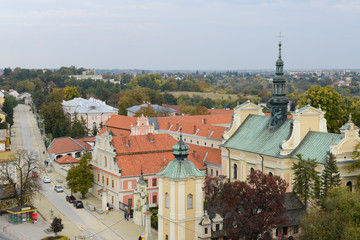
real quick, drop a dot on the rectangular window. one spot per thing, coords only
(277, 231)
(166, 237)
(166, 200)
(217, 227)
(112, 199)
(102, 178)
(285, 230)
(206, 230)
(189, 201)
(98, 177)
(296, 229)
(107, 181)
(112, 183)
(129, 185)
(212, 172)
(154, 182)
(217, 173)
(147, 182)
(154, 200)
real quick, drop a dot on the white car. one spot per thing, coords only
(58, 188)
(47, 180)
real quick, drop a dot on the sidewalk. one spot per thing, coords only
(111, 226)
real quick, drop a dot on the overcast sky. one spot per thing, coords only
(179, 34)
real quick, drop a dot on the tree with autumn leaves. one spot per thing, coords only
(250, 209)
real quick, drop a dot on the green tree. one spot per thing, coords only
(61, 128)
(56, 225)
(70, 93)
(80, 178)
(147, 112)
(330, 176)
(132, 97)
(78, 128)
(338, 219)
(8, 107)
(52, 111)
(330, 101)
(95, 130)
(306, 179)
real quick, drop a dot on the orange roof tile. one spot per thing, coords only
(83, 143)
(201, 153)
(221, 111)
(150, 152)
(143, 143)
(198, 127)
(120, 122)
(64, 145)
(66, 159)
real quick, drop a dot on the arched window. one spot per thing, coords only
(270, 173)
(252, 170)
(349, 185)
(166, 200)
(235, 171)
(189, 201)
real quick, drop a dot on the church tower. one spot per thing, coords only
(278, 102)
(181, 197)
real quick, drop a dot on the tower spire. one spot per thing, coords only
(278, 102)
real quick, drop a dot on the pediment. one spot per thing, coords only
(310, 110)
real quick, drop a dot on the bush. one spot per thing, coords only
(56, 238)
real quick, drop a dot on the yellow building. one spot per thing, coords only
(181, 197)
(271, 144)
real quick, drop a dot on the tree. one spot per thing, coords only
(94, 130)
(250, 209)
(330, 177)
(147, 112)
(306, 180)
(52, 111)
(132, 97)
(337, 219)
(330, 101)
(56, 225)
(356, 165)
(70, 93)
(8, 107)
(78, 128)
(80, 178)
(24, 162)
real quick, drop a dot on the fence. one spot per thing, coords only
(13, 234)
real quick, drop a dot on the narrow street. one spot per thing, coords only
(26, 135)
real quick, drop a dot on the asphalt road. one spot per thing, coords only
(32, 140)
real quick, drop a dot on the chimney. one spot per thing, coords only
(195, 154)
(194, 129)
(204, 121)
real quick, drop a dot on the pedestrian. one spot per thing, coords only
(125, 212)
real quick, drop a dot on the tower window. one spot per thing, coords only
(166, 200)
(206, 230)
(252, 170)
(235, 171)
(189, 201)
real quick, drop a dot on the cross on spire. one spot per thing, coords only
(280, 36)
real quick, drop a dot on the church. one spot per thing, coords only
(271, 144)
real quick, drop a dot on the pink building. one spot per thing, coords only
(93, 111)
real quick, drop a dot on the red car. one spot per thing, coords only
(70, 198)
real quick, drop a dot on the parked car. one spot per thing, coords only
(70, 198)
(47, 179)
(78, 204)
(58, 188)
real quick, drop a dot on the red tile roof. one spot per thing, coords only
(221, 111)
(66, 159)
(201, 153)
(120, 122)
(195, 126)
(150, 152)
(65, 145)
